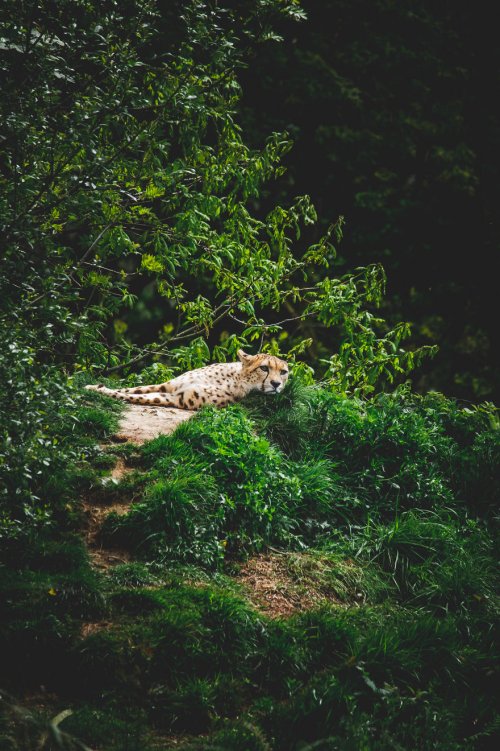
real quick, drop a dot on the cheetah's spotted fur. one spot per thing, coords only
(219, 384)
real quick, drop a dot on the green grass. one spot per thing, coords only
(385, 508)
(219, 487)
(434, 559)
(338, 577)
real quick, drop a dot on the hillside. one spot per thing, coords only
(304, 571)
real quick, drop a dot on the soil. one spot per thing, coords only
(120, 469)
(272, 590)
(139, 424)
(102, 558)
(88, 629)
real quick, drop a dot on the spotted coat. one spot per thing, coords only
(219, 384)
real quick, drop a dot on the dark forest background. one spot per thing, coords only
(391, 110)
(156, 163)
(391, 106)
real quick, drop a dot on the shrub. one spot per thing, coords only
(433, 558)
(216, 486)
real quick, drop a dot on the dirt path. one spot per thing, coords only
(139, 424)
(101, 557)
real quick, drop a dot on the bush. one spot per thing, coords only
(114, 727)
(216, 486)
(434, 559)
(393, 453)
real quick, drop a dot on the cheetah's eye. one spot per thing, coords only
(283, 372)
(264, 368)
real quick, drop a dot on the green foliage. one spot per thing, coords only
(125, 174)
(342, 579)
(32, 455)
(107, 661)
(23, 730)
(47, 427)
(41, 613)
(433, 559)
(109, 727)
(401, 165)
(375, 656)
(96, 422)
(132, 575)
(137, 227)
(382, 496)
(396, 452)
(158, 183)
(218, 487)
(235, 735)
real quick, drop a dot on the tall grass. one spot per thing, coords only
(298, 469)
(387, 507)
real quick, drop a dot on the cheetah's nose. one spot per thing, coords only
(275, 384)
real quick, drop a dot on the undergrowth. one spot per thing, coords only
(386, 508)
(308, 468)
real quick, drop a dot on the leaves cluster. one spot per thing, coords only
(400, 164)
(123, 170)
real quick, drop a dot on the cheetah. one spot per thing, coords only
(219, 384)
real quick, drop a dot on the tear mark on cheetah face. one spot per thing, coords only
(264, 372)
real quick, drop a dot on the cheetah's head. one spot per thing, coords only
(264, 372)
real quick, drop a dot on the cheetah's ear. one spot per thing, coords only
(245, 359)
